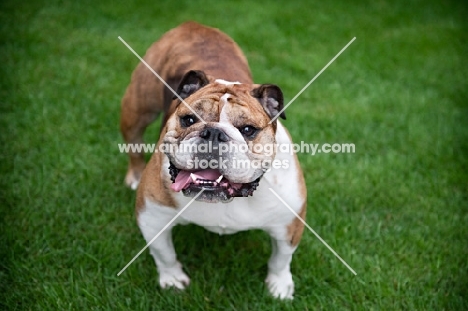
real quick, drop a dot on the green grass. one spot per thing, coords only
(396, 210)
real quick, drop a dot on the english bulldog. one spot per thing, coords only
(216, 106)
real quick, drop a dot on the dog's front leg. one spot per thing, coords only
(162, 250)
(279, 279)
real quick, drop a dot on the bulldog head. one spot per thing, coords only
(215, 140)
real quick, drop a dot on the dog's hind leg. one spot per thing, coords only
(141, 105)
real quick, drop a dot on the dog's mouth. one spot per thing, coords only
(217, 187)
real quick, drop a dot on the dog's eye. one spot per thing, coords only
(248, 131)
(188, 120)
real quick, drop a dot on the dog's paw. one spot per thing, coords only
(280, 285)
(132, 179)
(173, 277)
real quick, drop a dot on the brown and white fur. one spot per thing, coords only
(225, 106)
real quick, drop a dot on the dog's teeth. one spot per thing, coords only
(193, 177)
(219, 178)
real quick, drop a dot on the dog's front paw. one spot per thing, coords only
(173, 277)
(280, 285)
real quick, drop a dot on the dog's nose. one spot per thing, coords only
(214, 134)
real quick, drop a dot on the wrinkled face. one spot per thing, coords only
(224, 153)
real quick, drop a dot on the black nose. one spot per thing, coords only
(214, 134)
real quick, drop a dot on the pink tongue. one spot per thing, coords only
(183, 179)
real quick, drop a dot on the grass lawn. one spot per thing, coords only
(396, 210)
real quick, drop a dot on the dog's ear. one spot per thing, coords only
(271, 98)
(190, 83)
